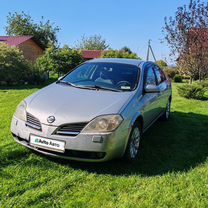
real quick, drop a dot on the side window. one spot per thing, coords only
(160, 75)
(150, 77)
(163, 75)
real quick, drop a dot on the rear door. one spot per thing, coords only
(163, 96)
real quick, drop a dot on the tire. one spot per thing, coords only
(132, 149)
(166, 114)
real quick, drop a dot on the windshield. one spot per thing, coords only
(107, 76)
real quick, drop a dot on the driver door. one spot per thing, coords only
(151, 107)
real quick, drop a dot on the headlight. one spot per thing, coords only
(103, 124)
(21, 111)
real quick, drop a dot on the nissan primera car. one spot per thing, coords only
(96, 112)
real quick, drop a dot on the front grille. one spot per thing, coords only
(33, 122)
(70, 129)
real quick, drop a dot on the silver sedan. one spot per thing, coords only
(96, 112)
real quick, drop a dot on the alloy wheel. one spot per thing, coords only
(135, 141)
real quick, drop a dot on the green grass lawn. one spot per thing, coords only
(172, 170)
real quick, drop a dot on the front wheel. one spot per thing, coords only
(132, 149)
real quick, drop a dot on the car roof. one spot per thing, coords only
(118, 60)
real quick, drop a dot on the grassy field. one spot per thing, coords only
(172, 170)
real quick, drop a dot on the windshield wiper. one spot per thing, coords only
(90, 87)
(70, 84)
(97, 87)
(73, 85)
(66, 83)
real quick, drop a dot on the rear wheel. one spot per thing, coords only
(166, 114)
(132, 149)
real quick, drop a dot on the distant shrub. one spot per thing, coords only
(14, 68)
(170, 72)
(178, 78)
(204, 83)
(186, 77)
(194, 91)
(119, 54)
(59, 60)
(162, 64)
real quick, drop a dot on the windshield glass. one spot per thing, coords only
(108, 76)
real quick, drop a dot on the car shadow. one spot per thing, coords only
(176, 145)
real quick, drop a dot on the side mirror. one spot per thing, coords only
(151, 89)
(60, 78)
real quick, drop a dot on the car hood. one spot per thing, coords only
(70, 105)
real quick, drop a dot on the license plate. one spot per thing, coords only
(49, 144)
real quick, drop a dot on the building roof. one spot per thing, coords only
(91, 54)
(136, 62)
(14, 40)
(17, 40)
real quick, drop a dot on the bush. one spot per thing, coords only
(60, 60)
(119, 54)
(185, 77)
(204, 83)
(14, 68)
(170, 72)
(162, 64)
(178, 78)
(194, 91)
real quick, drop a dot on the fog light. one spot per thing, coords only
(100, 155)
(97, 139)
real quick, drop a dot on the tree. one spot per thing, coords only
(95, 42)
(59, 60)
(68, 59)
(48, 62)
(171, 71)
(194, 65)
(119, 54)
(162, 64)
(187, 36)
(23, 24)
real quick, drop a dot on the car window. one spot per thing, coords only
(84, 74)
(122, 77)
(150, 77)
(160, 75)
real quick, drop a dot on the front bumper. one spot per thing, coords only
(83, 147)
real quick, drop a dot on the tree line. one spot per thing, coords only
(55, 59)
(186, 33)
